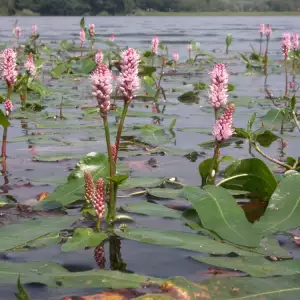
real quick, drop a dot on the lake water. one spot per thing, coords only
(176, 32)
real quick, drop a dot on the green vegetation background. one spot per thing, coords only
(145, 7)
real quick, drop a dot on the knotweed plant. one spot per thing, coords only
(128, 83)
(92, 35)
(286, 48)
(262, 33)
(175, 57)
(268, 32)
(82, 39)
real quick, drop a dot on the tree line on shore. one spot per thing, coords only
(121, 7)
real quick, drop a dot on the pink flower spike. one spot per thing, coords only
(286, 45)
(222, 129)
(219, 86)
(102, 86)
(34, 29)
(8, 106)
(29, 65)
(92, 30)
(8, 63)
(82, 35)
(112, 38)
(262, 29)
(155, 44)
(268, 31)
(99, 57)
(175, 56)
(17, 32)
(98, 201)
(129, 81)
(295, 41)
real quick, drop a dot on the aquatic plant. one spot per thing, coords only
(262, 32)
(155, 44)
(285, 48)
(228, 41)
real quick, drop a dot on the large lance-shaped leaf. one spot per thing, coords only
(219, 212)
(283, 210)
(151, 209)
(73, 190)
(182, 240)
(82, 238)
(285, 287)
(56, 276)
(251, 175)
(15, 235)
(254, 266)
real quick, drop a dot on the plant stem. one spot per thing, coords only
(286, 78)
(260, 46)
(158, 87)
(4, 141)
(266, 57)
(98, 225)
(121, 125)
(296, 120)
(271, 158)
(111, 213)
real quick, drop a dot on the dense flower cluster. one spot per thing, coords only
(268, 31)
(295, 41)
(17, 32)
(34, 30)
(98, 200)
(92, 30)
(8, 106)
(8, 63)
(82, 36)
(114, 152)
(99, 58)
(155, 44)
(286, 45)
(102, 86)
(29, 65)
(222, 129)
(99, 256)
(89, 187)
(219, 86)
(129, 81)
(262, 29)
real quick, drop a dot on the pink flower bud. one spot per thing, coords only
(112, 38)
(268, 31)
(102, 86)
(292, 84)
(262, 29)
(175, 56)
(17, 32)
(92, 30)
(222, 129)
(89, 187)
(34, 29)
(29, 65)
(286, 45)
(99, 199)
(155, 44)
(99, 57)
(114, 152)
(99, 256)
(128, 81)
(295, 41)
(8, 63)
(8, 106)
(82, 35)
(219, 86)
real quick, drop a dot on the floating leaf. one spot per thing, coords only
(142, 182)
(254, 266)
(151, 209)
(274, 118)
(189, 97)
(218, 212)
(266, 138)
(82, 238)
(16, 235)
(56, 276)
(165, 193)
(205, 169)
(3, 119)
(284, 207)
(251, 175)
(153, 135)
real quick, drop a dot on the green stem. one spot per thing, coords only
(296, 120)
(98, 225)
(286, 78)
(4, 141)
(121, 125)
(158, 86)
(214, 164)
(111, 213)
(271, 158)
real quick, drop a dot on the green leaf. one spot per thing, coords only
(165, 193)
(205, 169)
(293, 102)
(242, 133)
(56, 276)
(251, 121)
(219, 212)
(251, 175)
(82, 23)
(82, 238)
(57, 157)
(179, 239)
(4, 120)
(153, 135)
(87, 65)
(151, 209)
(189, 97)
(142, 182)
(119, 178)
(22, 294)
(173, 123)
(266, 138)
(245, 288)
(16, 235)
(73, 190)
(274, 118)
(283, 209)
(58, 70)
(254, 266)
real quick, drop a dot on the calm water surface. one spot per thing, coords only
(176, 32)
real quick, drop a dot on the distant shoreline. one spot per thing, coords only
(221, 13)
